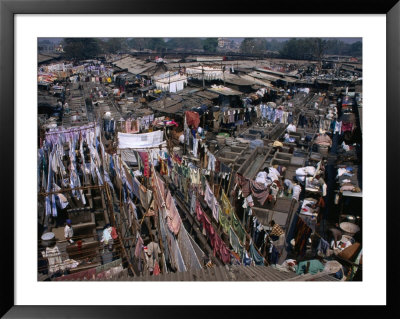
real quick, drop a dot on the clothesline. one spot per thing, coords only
(163, 143)
(63, 190)
(91, 126)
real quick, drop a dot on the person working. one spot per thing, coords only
(291, 128)
(276, 231)
(68, 231)
(262, 177)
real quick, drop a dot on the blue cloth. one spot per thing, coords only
(246, 261)
(339, 274)
(258, 260)
(273, 256)
(323, 246)
(136, 188)
(264, 111)
(290, 118)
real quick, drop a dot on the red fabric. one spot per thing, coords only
(219, 247)
(217, 166)
(347, 126)
(192, 118)
(177, 159)
(114, 234)
(145, 159)
(156, 270)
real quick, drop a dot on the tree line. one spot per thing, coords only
(84, 48)
(301, 48)
(294, 48)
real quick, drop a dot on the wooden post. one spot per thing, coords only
(202, 71)
(159, 237)
(119, 230)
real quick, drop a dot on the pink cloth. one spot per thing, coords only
(159, 191)
(259, 191)
(139, 247)
(323, 140)
(173, 218)
(347, 188)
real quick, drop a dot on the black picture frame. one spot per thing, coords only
(10, 8)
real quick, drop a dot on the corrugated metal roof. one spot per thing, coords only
(321, 276)
(47, 57)
(224, 91)
(226, 273)
(237, 80)
(134, 66)
(207, 94)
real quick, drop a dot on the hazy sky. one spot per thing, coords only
(346, 40)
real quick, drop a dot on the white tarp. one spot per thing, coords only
(304, 90)
(138, 141)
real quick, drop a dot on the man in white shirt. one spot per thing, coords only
(273, 174)
(262, 177)
(291, 128)
(68, 231)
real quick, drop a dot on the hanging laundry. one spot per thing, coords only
(192, 119)
(224, 220)
(226, 205)
(302, 234)
(257, 258)
(259, 191)
(211, 202)
(323, 246)
(145, 159)
(238, 228)
(173, 218)
(235, 242)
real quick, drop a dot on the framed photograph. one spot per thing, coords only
(159, 155)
